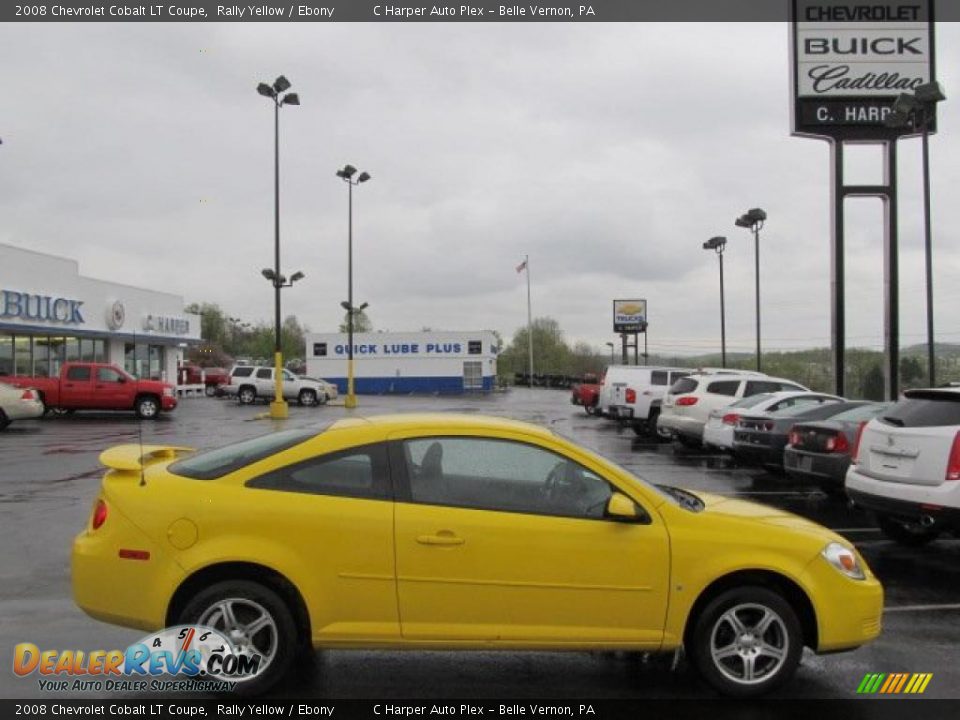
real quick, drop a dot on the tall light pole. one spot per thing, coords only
(278, 408)
(718, 244)
(611, 346)
(753, 219)
(346, 174)
(912, 111)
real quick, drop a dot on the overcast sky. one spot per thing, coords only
(607, 152)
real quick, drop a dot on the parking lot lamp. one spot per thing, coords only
(346, 174)
(611, 346)
(278, 408)
(753, 220)
(914, 111)
(718, 244)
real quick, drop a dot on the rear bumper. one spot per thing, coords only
(770, 454)
(943, 517)
(680, 425)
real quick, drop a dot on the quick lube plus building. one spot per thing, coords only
(419, 362)
(51, 314)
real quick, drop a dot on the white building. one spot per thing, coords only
(386, 362)
(50, 314)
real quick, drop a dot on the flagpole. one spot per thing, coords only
(526, 262)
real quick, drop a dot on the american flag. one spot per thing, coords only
(522, 266)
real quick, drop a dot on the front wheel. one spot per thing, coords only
(147, 407)
(307, 398)
(909, 533)
(256, 621)
(246, 395)
(747, 641)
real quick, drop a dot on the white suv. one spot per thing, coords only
(249, 383)
(636, 393)
(687, 404)
(906, 466)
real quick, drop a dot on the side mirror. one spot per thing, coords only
(623, 509)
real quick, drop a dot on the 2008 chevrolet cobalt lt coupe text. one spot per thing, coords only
(460, 532)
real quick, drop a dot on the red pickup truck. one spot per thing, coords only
(587, 393)
(211, 378)
(95, 386)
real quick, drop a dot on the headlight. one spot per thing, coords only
(168, 392)
(843, 559)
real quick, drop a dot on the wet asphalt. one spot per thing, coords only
(49, 477)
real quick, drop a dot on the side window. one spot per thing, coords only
(659, 377)
(724, 387)
(242, 372)
(288, 376)
(502, 475)
(794, 388)
(107, 375)
(755, 387)
(357, 472)
(264, 374)
(78, 373)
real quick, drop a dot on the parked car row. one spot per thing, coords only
(900, 461)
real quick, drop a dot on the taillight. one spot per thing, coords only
(793, 437)
(631, 395)
(855, 457)
(686, 401)
(99, 514)
(730, 419)
(953, 464)
(28, 395)
(838, 444)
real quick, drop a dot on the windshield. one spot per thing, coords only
(864, 412)
(803, 407)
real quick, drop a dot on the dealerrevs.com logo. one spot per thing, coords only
(894, 683)
(184, 657)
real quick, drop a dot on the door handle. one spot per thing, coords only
(441, 538)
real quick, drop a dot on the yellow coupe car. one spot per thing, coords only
(460, 532)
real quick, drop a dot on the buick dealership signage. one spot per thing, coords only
(852, 59)
(629, 316)
(30, 307)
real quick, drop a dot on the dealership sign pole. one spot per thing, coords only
(630, 318)
(850, 61)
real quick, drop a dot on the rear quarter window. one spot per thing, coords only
(684, 385)
(242, 372)
(924, 410)
(724, 387)
(220, 462)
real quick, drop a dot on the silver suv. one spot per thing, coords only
(249, 383)
(906, 466)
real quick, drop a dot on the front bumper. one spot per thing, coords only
(168, 402)
(849, 612)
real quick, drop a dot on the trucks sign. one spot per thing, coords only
(629, 316)
(852, 59)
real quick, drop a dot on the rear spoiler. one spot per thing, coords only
(137, 457)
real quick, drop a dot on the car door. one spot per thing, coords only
(263, 379)
(334, 513)
(291, 385)
(505, 540)
(110, 390)
(76, 388)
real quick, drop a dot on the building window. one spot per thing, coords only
(6, 354)
(319, 349)
(474, 347)
(22, 361)
(473, 375)
(41, 357)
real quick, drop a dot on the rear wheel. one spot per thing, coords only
(747, 641)
(210, 390)
(593, 409)
(147, 407)
(4, 420)
(246, 395)
(909, 533)
(307, 398)
(256, 620)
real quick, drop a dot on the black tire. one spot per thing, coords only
(592, 409)
(307, 398)
(771, 655)
(147, 407)
(247, 395)
(248, 600)
(909, 533)
(210, 390)
(4, 420)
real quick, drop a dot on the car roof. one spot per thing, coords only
(451, 421)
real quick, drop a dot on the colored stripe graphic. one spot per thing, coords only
(894, 683)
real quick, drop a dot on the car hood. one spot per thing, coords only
(735, 509)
